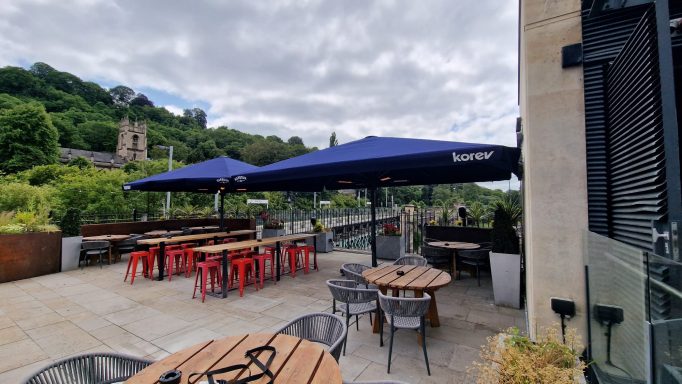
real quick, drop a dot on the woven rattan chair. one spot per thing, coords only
(440, 258)
(93, 248)
(91, 368)
(476, 258)
(354, 301)
(353, 271)
(411, 260)
(319, 327)
(405, 313)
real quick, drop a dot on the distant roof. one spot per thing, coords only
(99, 158)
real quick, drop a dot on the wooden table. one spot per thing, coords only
(210, 227)
(162, 241)
(296, 361)
(110, 238)
(417, 279)
(225, 248)
(454, 246)
(162, 232)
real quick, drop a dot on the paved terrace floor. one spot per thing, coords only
(50, 317)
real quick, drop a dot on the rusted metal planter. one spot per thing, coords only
(29, 255)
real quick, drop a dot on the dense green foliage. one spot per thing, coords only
(507, 216)
(27, 137)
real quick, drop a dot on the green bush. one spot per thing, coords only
(71, 222)
(16, 197)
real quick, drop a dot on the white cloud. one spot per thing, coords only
(434, 69)
(178, 111)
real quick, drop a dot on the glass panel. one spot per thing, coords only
(617, 303)
(665, 296)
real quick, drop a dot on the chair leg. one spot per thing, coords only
(347, 326)
(426, 357)
(357, 322)
(478, 275)
(380, 319)
(390, 348)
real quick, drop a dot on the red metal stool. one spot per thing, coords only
(260, 259)
(240, 267)
(205, 268)
(304, 252)
(174, 256)
(293, 252)
(134, 258)
(153, 254)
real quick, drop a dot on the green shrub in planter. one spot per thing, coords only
(71, 222)
(503, 235)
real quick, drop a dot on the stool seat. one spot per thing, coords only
(205, 268)
(240, 267)
(135, 257)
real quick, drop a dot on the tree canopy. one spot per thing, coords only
(27, 138)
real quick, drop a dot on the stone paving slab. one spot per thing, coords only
(47, 318)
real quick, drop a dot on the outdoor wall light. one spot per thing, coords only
(565, 308)
(608, 315)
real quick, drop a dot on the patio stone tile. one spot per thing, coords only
(463, 358)
(352, 366)
(285, 311)
(11, 334)
(185, 338)
(51, 329)
(108, 332)
(19, 354)
(156, 326)
(374, 353)
(158, 355)
(235, 327)
(107, 306)
(128, 316)
(72, 290)
(18, 374)
(254, 303)
(88, 321)
(67, 342)
(39, 320)
(6, 322)
(494, 321)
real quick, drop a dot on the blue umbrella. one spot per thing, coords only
(375, 162)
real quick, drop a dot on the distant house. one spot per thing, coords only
(132, 145)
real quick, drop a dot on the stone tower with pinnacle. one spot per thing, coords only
(132, 140)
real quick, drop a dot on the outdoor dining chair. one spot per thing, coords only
(93, 248)
(411, 260)
(353, 271)
(91, 368)
(319, 327)
(128, 245)
(476, 258)
(354, 301)
(405, 313)
(440, 258)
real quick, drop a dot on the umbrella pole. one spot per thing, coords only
(373, 234)
(222, 212)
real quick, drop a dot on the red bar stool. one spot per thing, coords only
(205, 268)
(293, 252)
(241, 267)
(188, 258)
(260, 259)
(133, 260)
(153, 254)
(174, 256)
(304, 252)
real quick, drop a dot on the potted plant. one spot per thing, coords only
(505, 259)
(390, 243)
(271, 227)
(71, 238)
(324, 238)
(510, 357)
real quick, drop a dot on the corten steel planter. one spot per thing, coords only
(390, 247)
(29, 255)
(325, 241)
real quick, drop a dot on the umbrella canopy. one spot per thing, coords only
(375, 162)
(210, 176)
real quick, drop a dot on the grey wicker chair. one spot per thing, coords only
(353, 271)
(320, 327)
(91, 368)
(438, 257)
(405, 313)
(476, 258)
(411, 260)
(355, 301)
(93, 248)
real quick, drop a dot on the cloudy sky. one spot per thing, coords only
(429, 69)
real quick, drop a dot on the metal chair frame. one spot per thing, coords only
(357, 301)
(90, 368)
(320, 327)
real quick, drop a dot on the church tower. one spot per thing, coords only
(132, 140)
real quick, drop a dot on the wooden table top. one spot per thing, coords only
(107, 238)
(199, 236)
(454, 245)
(251, 243)
(296, 360)
(417, 278)
(162, 232)
(205, 227)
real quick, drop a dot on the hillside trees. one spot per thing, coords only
(27, 138)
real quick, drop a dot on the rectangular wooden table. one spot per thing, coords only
(162, 241)
(112, 239)
(224, 248)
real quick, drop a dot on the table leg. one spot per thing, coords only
(224, 287)
(454, 264)
(161, 259)
(315, 253)
(377, 324)
(277, 252)
(432, 315)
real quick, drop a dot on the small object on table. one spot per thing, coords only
(170, 377)
(400, 273)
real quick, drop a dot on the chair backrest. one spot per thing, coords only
(405, 306)
(92, 245)
(353, 271)
(436, 254)
(347, 291)
(477, 255)
(411, 260)
(319, 327)
(89, 368)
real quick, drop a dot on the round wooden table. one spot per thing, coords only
(417, 279)
(296, 361)
(454, 246)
